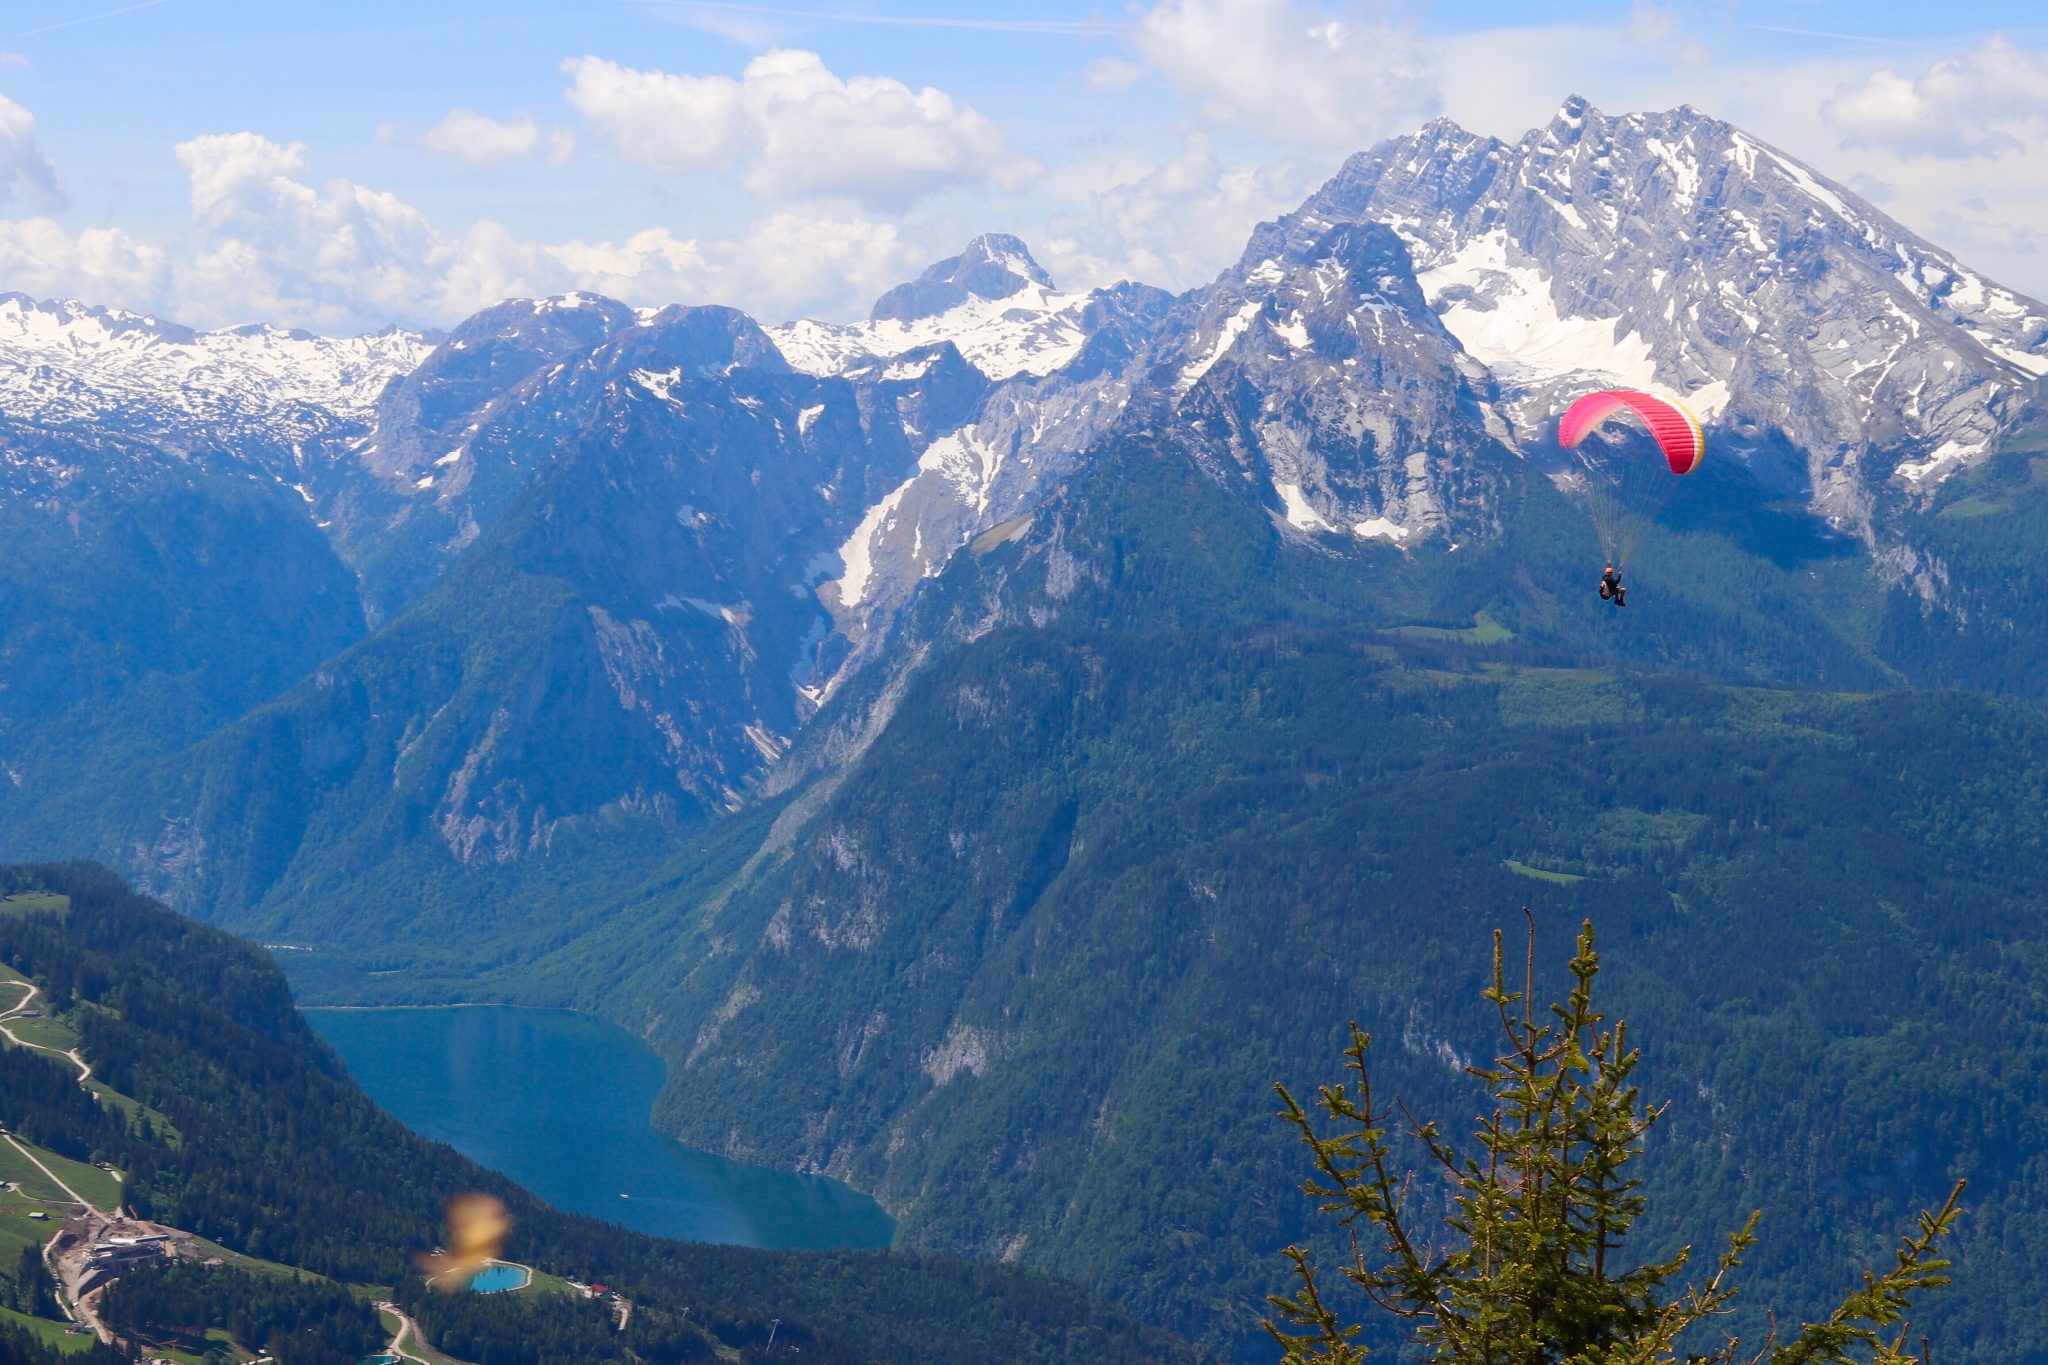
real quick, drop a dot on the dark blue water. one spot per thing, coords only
(559, 1102)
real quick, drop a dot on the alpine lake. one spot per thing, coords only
(559, 1102)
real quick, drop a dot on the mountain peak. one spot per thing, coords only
(994, 265)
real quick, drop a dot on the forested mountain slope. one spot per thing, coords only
(1168, 800)
(145, 601)
(617, 560)
(984, 786)
(273, 1152)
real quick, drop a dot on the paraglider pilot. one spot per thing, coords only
(1611, 589)
(1625, 489)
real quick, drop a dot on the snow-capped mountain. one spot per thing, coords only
(1313, 368)
(1059, 362)
(1362, 373)
(1676, 251)
(64, 363)
(1829, 349)
(992, 301)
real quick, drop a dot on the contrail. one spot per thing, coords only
(1842, 37)
(91, 18)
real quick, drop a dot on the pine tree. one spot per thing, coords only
(1532, 1271)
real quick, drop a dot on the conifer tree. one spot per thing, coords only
(1530, 1266)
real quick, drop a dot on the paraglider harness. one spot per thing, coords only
(1611, 589)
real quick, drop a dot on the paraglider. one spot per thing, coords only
(1611, 589)
(1626, 485)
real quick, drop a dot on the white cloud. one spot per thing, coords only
(25, 172)
(1976, 104)
(1327, 78)
(1113, 73)
(1649, 23)
(342, 257)
(1173, 224)
(466, 135)
(796, 131)
(276, 248)
(37, 256)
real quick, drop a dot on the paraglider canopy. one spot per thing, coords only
(1677, 431)
(1626, 485)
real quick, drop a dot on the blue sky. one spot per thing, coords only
(345, 166)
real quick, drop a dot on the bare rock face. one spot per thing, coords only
(1313, 374)
(1053, 371)
(1817, 338)
(1315, 371)
(696, 529)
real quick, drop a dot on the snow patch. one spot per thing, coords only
(1379, 528)
(858, 551)
(1708, 400)
(1233, 328)
(1803, 178)
(964, 461)
(1034, 331)
(1742, 152)
(1522, 336)
(909, 369)
(1300, 515)
(659, 382)
(2036, 365)
(1943, 462)
(1685, 173)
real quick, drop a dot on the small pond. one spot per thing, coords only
(495, 1279)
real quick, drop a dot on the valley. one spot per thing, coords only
(981, 749)
(315, 1201)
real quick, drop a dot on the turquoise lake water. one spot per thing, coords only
(496, 1278)
(559, 1102)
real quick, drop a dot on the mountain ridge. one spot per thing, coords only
(942, 764)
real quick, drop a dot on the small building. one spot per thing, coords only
(123, 1250)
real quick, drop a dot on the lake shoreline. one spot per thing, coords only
(561, 1101)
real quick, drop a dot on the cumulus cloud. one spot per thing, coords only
(25, 172)
(37, 256)
(340, 257)
(276, 247)
(1979, 104)
(1327, 78)
(1173, 223)
(794, 130)
(479, 140)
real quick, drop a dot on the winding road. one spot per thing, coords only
(84, 1068)
(80, 1312)
(84, 1075)
(407, 1328)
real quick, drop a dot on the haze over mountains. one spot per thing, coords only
(950, 736)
